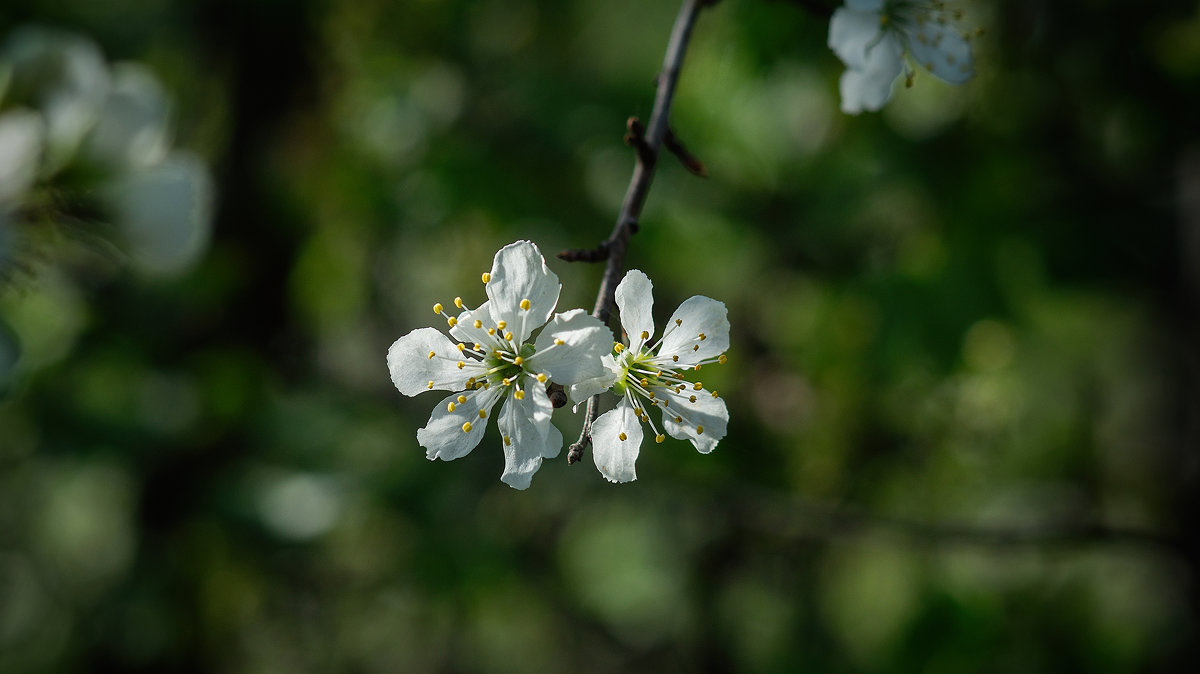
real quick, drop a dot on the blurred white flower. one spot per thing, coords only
(650, 374)
(873, 37)
(494, 361)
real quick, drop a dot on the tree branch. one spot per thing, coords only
(647, 145)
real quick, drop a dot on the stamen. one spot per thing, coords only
(482, 414)
(508, 336)
(541, 377)
(519, 395)
(525, 305)
(703, 337)
(486, 277)
(507, 440)
(697, 386)
(645, 334)
(622, 437)
(692, 399)
(501, 325)
(674, 359)
(429, 385)
(461, 347)
(437, 308)
(458, 302)
(660, 438)
(559, 342)
(478, 324)
(450, 406)
(431, 355)
(452, 321)
(491, 332)
(518, 360)
(461, 364)
(699, 430)
(722, 359)
(618, 347)
(466, 427)
(463, 399)
(678, 321)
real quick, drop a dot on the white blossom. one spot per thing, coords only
(494, 360)
(872, 37)
(646, 373)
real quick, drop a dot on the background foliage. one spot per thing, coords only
(978, 307)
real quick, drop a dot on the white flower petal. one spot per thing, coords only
(412, 369)
(707, 412)
(519, 272)
(853, 34)
(584, 341)
(698, 315)
(22, 135)
(635, 299)
(464, 329)
(614, 457)
(527, 436)
(942, 50)
(443, 436)
(865, 5)
(133, 126)
(596, 385)
(862, 90)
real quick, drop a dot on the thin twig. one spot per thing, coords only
(639, 186)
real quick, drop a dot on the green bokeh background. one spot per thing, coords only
(977, 308)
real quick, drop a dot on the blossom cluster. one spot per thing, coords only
(497, 359)
(874, 37)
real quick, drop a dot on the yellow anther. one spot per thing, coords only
(618, 347)
(697, 386)
(507, 440)
(508, 336)
(559, 342)
(461, 364)
(478, 324)
(645, 382)
(463, 399)
(699, 430)
(722, 359)
(519, 395)
(696, 347)
(678, 321)
(478, 347)
(650, 395)
(461, 347)
(645, 334)
(437, 308)
(692, 399)
(541, 378)
(674, 359)
(452, 321)
(482, 414)
(429, 385)
(525, 305)
(486, 277)
(507, 381)
(458, 302)
(501, 325)
(450, 407)
(466, 427)
(518, 360)
(679, 420)
(431, 355)
(492, 331)
(697, 368)
(622, 437)
(660, 438)
(497, 352)
(703, 337)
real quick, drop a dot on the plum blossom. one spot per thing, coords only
(872, 37)
(647, 373)
(495, 360)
